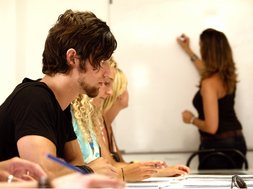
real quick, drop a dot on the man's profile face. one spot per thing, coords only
(92, 79)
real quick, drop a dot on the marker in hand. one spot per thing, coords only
(183, 38)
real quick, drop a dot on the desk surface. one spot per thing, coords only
(197, 179)
(222, 172)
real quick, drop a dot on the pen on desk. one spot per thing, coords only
(64, 163)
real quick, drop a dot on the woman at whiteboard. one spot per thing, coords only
(217, 122)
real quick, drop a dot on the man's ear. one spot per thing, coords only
(70, 56)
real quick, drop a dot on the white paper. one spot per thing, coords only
(190, 181)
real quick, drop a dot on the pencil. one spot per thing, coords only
(64, 163)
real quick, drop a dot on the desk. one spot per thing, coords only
(222, 172)
(197, 179)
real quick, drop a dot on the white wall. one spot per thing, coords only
(24, 27)
(7, 47)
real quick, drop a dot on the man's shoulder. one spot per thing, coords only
(26, 82)
(32, 92)
(33, 86)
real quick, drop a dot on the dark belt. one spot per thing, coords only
(223, 135)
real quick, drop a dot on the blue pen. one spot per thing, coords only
(64, 163)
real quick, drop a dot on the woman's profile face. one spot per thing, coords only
(106, 88)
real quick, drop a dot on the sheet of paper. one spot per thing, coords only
(155, 182)
(190, 181)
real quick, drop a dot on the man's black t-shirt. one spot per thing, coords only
(32, 109)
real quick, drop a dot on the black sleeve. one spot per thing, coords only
(34, 113)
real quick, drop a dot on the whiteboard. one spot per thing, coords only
(162, 80)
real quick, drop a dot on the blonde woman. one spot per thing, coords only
(128, 172)
(89, 127)
(111, 107)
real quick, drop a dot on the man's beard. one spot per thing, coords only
(90, 91)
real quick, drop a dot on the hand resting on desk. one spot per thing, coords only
(141, 170)
(171, 171)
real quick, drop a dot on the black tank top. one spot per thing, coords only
(227, 117)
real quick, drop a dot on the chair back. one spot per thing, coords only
(228, 157)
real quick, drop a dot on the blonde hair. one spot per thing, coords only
(82, 110)
(119, 87)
